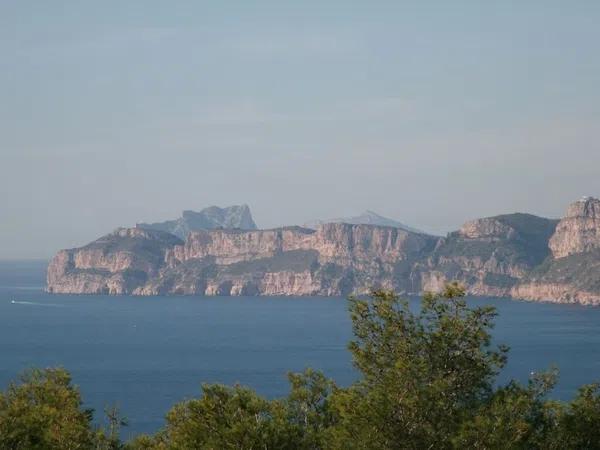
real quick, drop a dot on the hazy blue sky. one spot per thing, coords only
(431, 113)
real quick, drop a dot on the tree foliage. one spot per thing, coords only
(44, 412)
(427, 380)
(423, 373)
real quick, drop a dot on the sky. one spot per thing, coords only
(431, 113)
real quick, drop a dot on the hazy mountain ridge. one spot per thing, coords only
(366, 218)
(237, 216)
(513, 255)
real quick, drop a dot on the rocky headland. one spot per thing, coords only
(514, 255)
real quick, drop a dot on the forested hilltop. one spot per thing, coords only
(427, 380)
(512, 255)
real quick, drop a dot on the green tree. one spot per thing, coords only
(308, 407)
(579, 421)
(44, 412)
(423, 374)
(108, 438)
(426, 382)
(515, 417)
(237, 418)
(226, 418)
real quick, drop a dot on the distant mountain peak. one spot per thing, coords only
(368, 217)
(236, 216)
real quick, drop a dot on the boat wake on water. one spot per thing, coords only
(18, 302)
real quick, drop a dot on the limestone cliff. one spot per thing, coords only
(579, 230)
(518, 255)
(489, 256)
(335, 259)
(572, 273)
(114, 264)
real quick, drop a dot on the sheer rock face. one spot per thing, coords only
(114, 264)
(336, 259)
(555, 293)
(337, 243)
(232, 246)
(572, 278)
(579, 230)
(489, 256)
(347, 244)
(516, 255)
(488, 229)
(572, 273)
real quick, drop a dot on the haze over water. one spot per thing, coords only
(146, 353)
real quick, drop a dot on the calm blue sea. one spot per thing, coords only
(146, 353)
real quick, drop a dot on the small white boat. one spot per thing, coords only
(12, 301)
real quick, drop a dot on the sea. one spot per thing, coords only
(144, 354)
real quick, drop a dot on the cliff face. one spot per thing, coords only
(231, 246)
(571, 279)
(336, 259)
(579, 230)
(489, 256)
(518, 255)
(572, 273)
(114, 264)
